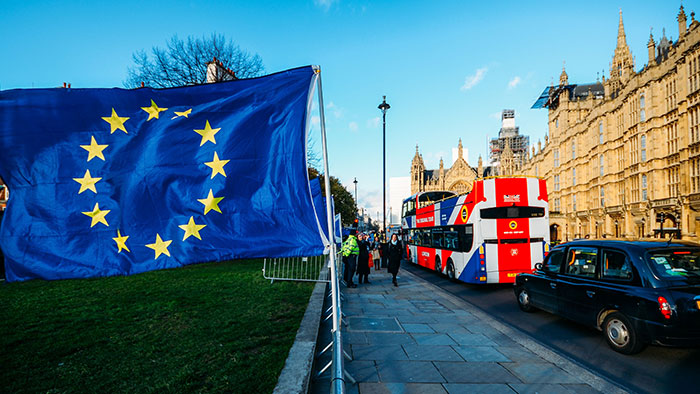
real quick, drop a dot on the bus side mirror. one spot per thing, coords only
(538, 266)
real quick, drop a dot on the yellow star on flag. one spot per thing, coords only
(87, 182)
(217, 166)
(97, 215)
(121, 241)
(211, 202)
(207, 133)
(183, 113)
(116, 122)
(94, 149)
(192, 228)
(160, 246)
(153, 111)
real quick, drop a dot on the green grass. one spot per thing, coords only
(217, 327)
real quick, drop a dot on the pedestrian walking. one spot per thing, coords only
(384, 253)
(395, 252)
(350, 250)
(363, 259)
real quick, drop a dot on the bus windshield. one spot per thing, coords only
(512, 212)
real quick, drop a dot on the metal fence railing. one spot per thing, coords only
(305, 269)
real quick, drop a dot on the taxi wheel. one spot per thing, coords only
(524, 301)
(621, 334)
(450, 270)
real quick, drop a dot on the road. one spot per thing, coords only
(655, 370)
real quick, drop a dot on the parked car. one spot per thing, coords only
(637, 293)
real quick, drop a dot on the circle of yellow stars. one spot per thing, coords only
(90, 183)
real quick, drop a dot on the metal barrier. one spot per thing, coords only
(304, 269)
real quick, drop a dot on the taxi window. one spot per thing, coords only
(553, 263)
(615, 265)
(581, 261)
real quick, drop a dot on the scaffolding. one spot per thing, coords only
(509, 134)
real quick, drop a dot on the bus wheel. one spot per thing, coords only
(438, 264)
(450, 270)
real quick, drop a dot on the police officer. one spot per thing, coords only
(350, 250)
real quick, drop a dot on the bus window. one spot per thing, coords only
(451, 238)
(512, 212)
(466, 237)
(409, 208)
(437, 237)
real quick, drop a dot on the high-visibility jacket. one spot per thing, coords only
(350, 246)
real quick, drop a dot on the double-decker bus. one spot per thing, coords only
(493, 233)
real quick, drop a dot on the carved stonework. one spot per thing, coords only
(459, 178)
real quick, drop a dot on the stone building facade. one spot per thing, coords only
(458, 178)
(622, 157)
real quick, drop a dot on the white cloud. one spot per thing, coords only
(472, 80)
(514, 82)
(495, 115)
(334, 110)
(315, 120)
(324, 4)
(373, 123)
(352, 126)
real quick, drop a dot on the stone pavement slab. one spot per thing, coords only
(475, 372)
(431, 353)
(408, 372)
(378, 352)
(481, 354)
(402, 388)
(481, 388)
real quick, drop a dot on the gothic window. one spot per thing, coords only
(694, 124)
(573, 149)
(600, 132)
(642, 114)
(672, 177)
(602, 165)
(573, 176)
(602, 196)
(557, 205)
(643, 143)
(644, 187)
(635, 188)
(672, 137)
(556, 183)
(574, 203)
(556, 158)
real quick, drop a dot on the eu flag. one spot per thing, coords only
(116, 182)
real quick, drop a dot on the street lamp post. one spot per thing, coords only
(356, 212)
(384, 106)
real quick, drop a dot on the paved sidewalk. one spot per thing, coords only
(418, 338)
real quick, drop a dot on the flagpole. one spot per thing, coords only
(337, 370)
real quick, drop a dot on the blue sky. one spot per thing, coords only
(447, 67)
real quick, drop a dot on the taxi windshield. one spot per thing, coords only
(676, 264)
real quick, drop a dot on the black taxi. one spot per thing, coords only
(636, 292)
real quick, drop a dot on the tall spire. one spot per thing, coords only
(621, 38)
(622, 66)
(460, 152)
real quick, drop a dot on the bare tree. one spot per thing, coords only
(184, 62)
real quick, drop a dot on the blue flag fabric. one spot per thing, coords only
(319, 205)
(115, 182)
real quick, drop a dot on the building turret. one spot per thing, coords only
(480, 168)
(651, 46)
(417, 171)
(564, 77)
(682, 27)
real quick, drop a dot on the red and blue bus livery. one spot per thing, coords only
(493, 233)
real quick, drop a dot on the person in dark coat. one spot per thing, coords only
(395, 252)
(363, 259)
